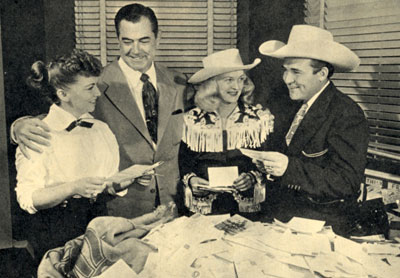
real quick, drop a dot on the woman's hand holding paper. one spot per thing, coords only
(243, 182)
(196, 183)
(89, 187)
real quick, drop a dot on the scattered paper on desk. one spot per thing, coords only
(222, 176)
(194, 247)
(119, 269)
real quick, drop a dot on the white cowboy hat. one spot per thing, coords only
(307, 41)
(221, 62)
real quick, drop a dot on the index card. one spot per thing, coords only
(222, 176)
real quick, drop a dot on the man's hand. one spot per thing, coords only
(243, 182)
(273, 163)
(89, 187)
(195, 182)
(206, 96)
(31, 133)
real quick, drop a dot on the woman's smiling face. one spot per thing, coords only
(230, 85)
(82, 95)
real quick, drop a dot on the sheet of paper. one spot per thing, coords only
(132, 172)
(305, 225)
(119, 269)
(350, 249)
(253, 154)
(222, 176)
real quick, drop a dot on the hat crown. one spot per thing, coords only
(223, 59)
(301, 33)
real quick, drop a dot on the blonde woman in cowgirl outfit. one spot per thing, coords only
(213, 138)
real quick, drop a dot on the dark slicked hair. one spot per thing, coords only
(133, 13)
(317, 65)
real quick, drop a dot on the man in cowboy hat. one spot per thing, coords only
(318, 173)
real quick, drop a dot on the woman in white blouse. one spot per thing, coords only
(60, 185)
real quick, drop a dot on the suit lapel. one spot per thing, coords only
(312, 121)
(167, 95)
(120, 95)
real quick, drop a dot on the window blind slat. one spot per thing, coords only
(375, 99)
(385, 139)
(384, 146)
(376, 9)
(394, 27)
(373, 45)
(382, 123)
(369, 37)
(335, 4)
(367, 76)
(380, 107)
(367, 84)
(363, 22)
(154, 4)
(383, 116)
(83, 35)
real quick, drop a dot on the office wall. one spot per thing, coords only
(31, 30)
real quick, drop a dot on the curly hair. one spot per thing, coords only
(61, 72)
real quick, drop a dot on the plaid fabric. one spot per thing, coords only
(106, 240)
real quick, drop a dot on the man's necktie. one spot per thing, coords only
(296, 122)
(78, 123)
(150, 103)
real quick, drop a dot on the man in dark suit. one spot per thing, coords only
(318, 172)
(143, 103)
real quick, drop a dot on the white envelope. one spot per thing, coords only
(222, 176)
(259, 155)
(135, 171)
(119, 269)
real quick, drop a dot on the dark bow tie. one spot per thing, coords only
(78, 123)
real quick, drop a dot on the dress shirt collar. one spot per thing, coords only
(314, 97)
(134, 75)
(59, 119)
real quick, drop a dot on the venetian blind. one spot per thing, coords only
(371, 28)
(190, 30)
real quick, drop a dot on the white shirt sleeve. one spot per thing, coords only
(31, 176)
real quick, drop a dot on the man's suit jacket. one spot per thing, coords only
(117, 107)
(327, 159)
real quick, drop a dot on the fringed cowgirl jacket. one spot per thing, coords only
(205, 144)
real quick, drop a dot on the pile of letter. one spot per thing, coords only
(223, 246)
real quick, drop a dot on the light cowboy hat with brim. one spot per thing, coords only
(221, 62)
(311, 42)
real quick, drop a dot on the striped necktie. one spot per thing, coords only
(296, 122)
(150, 103)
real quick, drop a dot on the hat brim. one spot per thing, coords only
(338, 55)
(207, 73)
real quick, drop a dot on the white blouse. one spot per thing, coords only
(80, 153)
